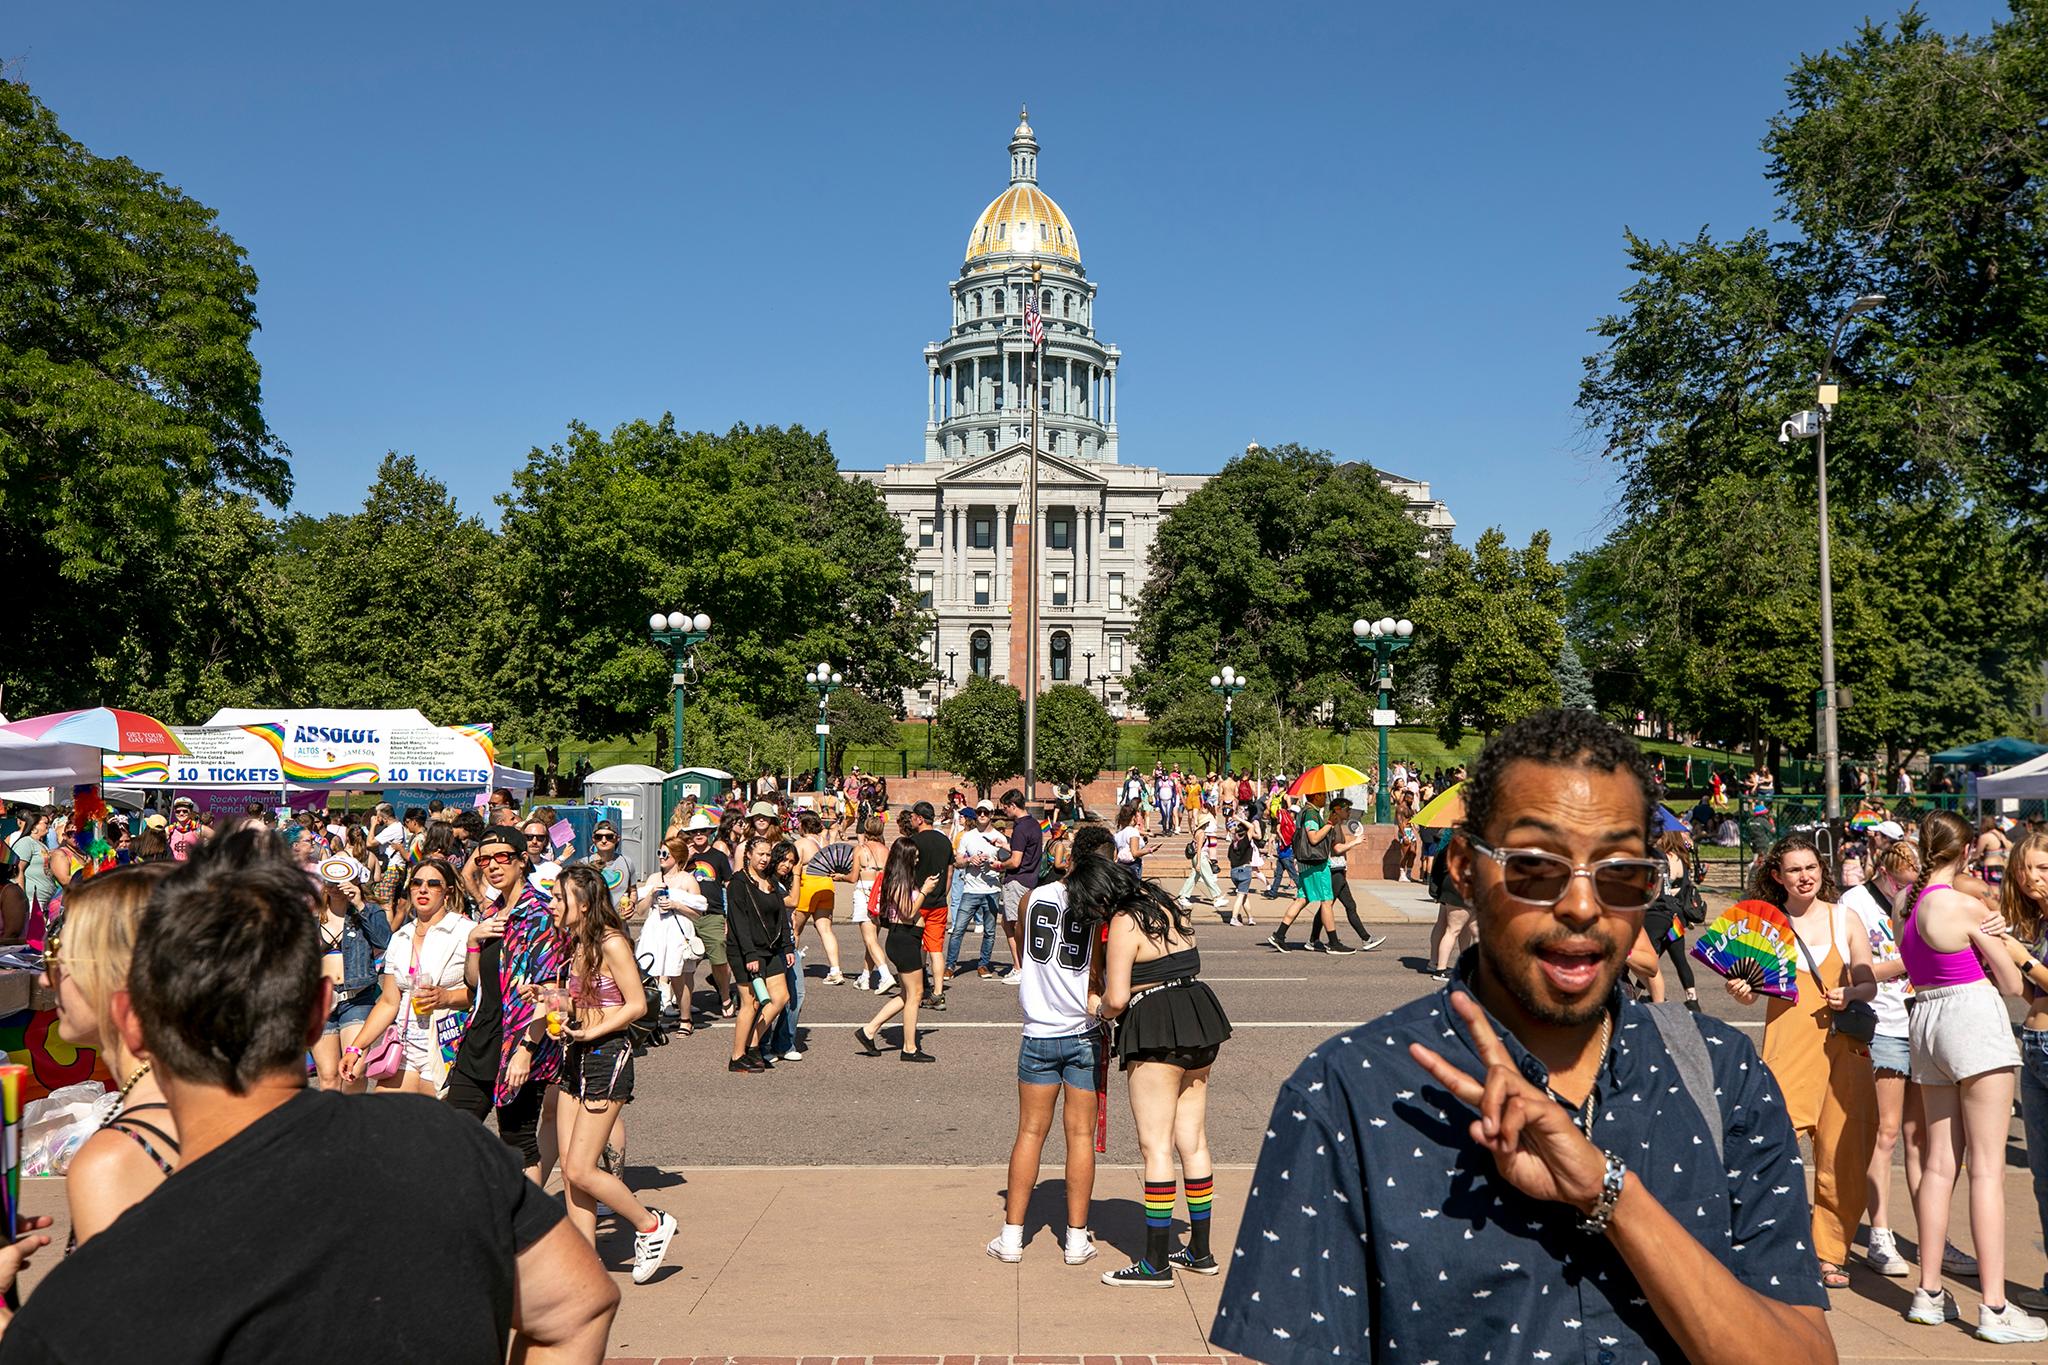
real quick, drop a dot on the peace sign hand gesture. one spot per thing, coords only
(1535, 1145)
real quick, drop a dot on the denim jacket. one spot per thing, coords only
(365, 935)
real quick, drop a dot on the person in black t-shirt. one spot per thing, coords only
(253, 1252)
(934, 874)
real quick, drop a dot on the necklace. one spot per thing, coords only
(134, 1080)
(1586, 1109)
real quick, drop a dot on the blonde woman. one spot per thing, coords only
(87, 963)
(869, 857)
(669, 946)
(422, 989)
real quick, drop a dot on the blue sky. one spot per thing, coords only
(1384, 232)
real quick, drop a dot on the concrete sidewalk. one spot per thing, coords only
(782, 1263)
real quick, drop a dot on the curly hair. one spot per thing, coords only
(1559, 738)
(1763, 882)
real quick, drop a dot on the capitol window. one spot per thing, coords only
(1059, 533)
(1062, 656)
(998, 308)
(1059, 590)
(1116, 653)
(925, 533)
(1116, 592)
(1067, 305)
(1116, 533)
(977, 305)
(978, 653)
(1002, 230)
(984, 533)
(924, 590)
(981, 589)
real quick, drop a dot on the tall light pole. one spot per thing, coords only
(931, 711)
(1385, 638)
(1229, 684)
(1032, 348)
(1814, 424)
(1088, 675)
(680, 632)
(824, 682)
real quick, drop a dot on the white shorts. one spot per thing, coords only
(863, 891)
(1959, 1032)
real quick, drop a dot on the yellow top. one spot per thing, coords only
(1023, 220)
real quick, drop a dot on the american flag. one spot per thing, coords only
(1034, 326)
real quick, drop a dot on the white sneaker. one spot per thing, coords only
(1013, 977)
(860, 983)
(1006, 1254)
(1079, 1252)
(649, 1248)
(1932, 1310)
(1186, 904)
(792, 1056)
(1883, 1256)
(2009, 1324)
(834, 979)
(1957, 1262)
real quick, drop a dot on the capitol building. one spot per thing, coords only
(963, 506)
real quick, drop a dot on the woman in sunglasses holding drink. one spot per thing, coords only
(1812, 1047)
(423, 991)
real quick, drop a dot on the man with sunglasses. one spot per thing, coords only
(609, 859)
(1585, 1177)
(505, 1060)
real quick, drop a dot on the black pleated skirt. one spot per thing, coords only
(1172, 1019)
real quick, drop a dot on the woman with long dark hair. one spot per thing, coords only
(1130, 838)
(1170, 1028)
(604, 999)
(1823, 1073)
(903, 944)
(757, 943)
(423, 989)
(1965, 1063)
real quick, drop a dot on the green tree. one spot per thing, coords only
(1906, 163)
(1265, 567)
(362, 637)
(858, 720)
(128, 389)
(981, 732)
(1076, 737)
(756, 528)
(1489, 624)
(1574, 687)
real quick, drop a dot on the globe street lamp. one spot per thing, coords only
(1814, 425)
(1385, 638)
(1229, 684)
(931, 712)
(824, 682)
(1088, 673)
(680, 632)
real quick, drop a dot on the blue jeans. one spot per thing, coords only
(2034, 1114)
(782, 1036)
(1283, 864)
(981, 905)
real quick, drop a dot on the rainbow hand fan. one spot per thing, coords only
(1752, 941)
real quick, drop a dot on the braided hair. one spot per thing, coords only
(1945, 839)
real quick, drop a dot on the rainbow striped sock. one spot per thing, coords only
(1200, 1194)
(1158, 1222)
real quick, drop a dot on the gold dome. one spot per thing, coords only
(1023, 221)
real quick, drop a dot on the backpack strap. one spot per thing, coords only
(1688, 1049)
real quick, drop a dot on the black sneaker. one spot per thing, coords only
(1275, 942)
(867, 1044)
(1315, 945)
(762, 1060)
(918, 1056)
(1183, 1259)
(1441, 978)
(1142, 1275)
(937, 1004)
(1371, 941)
(743, 1064)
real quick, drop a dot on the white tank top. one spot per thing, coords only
(1054, 991)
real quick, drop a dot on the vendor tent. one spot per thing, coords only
(2029, 779)
(1992, 753)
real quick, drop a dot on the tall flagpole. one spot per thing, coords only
(1031, 558)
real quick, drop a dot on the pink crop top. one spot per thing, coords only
(1927, 969)
(606, 990)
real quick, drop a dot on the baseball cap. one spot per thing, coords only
(766, 808)
(502, 836)
(984, 804)
(700, 821)
(1890, 829)
(155, 821)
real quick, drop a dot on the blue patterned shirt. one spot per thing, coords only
(1376, 1230)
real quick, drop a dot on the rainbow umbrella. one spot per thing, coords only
(1326, 777)
(1445, 809)
(101, 727)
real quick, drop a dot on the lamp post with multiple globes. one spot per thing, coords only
(1385, 638)
(679, 632)
(1229, 683)
(824, 682)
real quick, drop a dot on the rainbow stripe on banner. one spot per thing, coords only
(482, 735)
(135, 770)
(297, 771)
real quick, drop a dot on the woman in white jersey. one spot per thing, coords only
(1060, 989)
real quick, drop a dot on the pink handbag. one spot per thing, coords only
(384, 1058)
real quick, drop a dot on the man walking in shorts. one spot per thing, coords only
(1061, 1053)
(1020, 874)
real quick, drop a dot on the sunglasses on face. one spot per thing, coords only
(1535, 877)
(436, 885)
(536, 838)
(497, 859)
(607, 838)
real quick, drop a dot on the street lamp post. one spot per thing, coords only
(680, 632)
(949, 665)
(1116, 739)
(1229, 684)
(1088, 674)
(1385, 638)
(824, 682)
(1814, 424)
(931, 711)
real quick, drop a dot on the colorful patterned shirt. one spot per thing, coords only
(534, 951)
